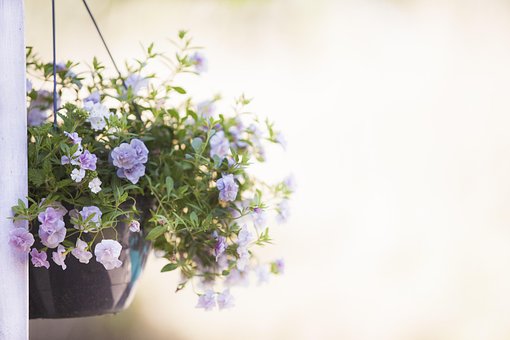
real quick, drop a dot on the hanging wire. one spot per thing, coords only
(137, 113)
(54, 66)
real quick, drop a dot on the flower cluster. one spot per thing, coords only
(126, 140)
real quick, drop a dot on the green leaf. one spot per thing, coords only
(179, 89)
(196, 143)
(156, 232)
(169, 267)
(169, 183)
(194, 218)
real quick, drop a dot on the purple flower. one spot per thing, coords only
(88, 160)
(227, 187)
(283, 211)
(206, 108)
(81, 253)
(237, 278)
(107, 253)
(136, 83)
(259, 218)
(198, 60)
(59, 257)
(21, 240)
(52, 230)
(75, 139)
(39, 259)
(94, 97)
(140, 149)
(133, 174)
(124, 156)
(225, 300)
(207, 301)
(290, 183)
(244, 258)
(94, 221)
(220, 247)
(279, 266)
(245, 236)
(263, 273)
(134, 226)
(219, 145)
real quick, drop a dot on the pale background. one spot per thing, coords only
(397, 116)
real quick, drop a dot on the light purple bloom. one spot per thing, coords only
(226, 300)
(75, 139)
(136, 83)
(39, 259)
(237, 278)
(206, 108)
(198, 60)
(107, 253)
(124, 156)
(140, 149)
(244, 258)
(81, 253)
(290, 183)
(259, 218)
(59, 257)
(245, 237)
(219, 145)
(88, 161)
(279, 266)
(21, 240)
(95, 220)
(227, 187)
(38, 108)
(134, 226)
(133, 174)
(52, 230)
(220, 247)
(263, 273)
(94, 98)
(207, 301)
(280, 138)
(283, 211)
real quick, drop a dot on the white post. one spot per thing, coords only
(13, 168)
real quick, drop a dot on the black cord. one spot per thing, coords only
(137, 112)
(54, 66)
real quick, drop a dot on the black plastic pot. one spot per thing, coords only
(88, 289)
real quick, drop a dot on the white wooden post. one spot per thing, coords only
(13, 168)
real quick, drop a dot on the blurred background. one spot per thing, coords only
(396, 115)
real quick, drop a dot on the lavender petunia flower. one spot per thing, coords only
(244, 258)
(219, 145)
(198, 60)
(237, 278)
(81, 253)
(259, 218)
(263, 274)
(133, 174)
(279, 266)
(88, 161)
(245, 237)
(59, 257)
(107, 253)
(21, 240)
(75, 139)
(290, 183)
(220, 247)
(227, 187)
(124, 156)
(140, 149)
(95, 220)
(50, 216)
(39, 259)
(94, 98)
(283, 211)
(207, 301)
(206, 108)
(136, 83)
(134, 226)
(225, 300)
(52, 230)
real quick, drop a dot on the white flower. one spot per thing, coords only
(225, 300)
(81, 253)
(77, 175)
(95, 185)
(99, 113)
(107, 253)
(59, 256)
(134, 226)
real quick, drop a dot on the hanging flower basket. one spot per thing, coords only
(132, 162)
